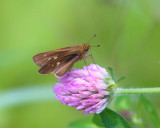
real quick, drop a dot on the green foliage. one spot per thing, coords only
(143, 113)
(97, 120)
(112, 74)
(120, 78)
(107, 119)
(150, 110)
(112, 119)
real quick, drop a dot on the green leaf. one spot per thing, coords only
(83, 123)
(97, 120)
(120, 78)
(151, 111)
(112, 119)
(112, 74)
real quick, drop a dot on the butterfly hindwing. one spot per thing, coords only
(65, 67)
(60, 65)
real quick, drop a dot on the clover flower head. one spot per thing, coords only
(86, 89)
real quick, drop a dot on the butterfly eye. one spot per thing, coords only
(86, 49)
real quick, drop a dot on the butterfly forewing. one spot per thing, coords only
(42, 58)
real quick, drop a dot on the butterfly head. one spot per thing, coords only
(86, 47)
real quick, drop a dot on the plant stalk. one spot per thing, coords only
(138, 90)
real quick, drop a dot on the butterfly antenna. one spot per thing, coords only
(96, 45)
(91, 38)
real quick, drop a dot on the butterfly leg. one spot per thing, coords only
(86, 64)
(91, 57)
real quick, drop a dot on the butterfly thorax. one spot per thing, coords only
(83, 51)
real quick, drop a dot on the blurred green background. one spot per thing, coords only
(127, 30)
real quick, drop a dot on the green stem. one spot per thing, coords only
(138, 90)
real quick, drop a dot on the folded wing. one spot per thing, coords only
(59, 66)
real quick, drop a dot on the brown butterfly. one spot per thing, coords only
(60, 61)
